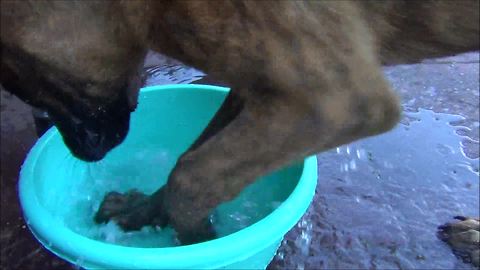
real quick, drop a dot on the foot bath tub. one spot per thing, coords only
(60, 194)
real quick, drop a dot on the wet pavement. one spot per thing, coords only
(378, 201)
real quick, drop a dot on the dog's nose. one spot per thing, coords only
(93, 138)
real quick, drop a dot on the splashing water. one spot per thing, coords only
(122, 175)
(134, 171)
(169, 71)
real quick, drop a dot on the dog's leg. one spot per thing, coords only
(268, 130)
(267, 134)
(301, 93)
(133, 209)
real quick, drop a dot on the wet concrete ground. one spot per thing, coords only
(448, 85)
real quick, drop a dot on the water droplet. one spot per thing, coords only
(280, 255)
(79, 262)
(353, 164)
(276, 204)
(444, 149)
(388, 165)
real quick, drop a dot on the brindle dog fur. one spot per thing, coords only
(304, 77)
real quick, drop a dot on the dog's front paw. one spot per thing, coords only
(131, 211)
(463, 237)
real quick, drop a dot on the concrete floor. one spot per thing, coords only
(443, 85)
(19, 249)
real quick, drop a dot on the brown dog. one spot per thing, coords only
(305, 77)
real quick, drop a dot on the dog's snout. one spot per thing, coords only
(89, 137)
(92, 137)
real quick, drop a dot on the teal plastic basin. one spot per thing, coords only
(169, 118)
